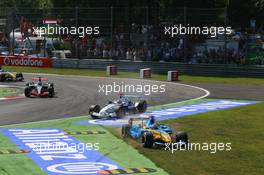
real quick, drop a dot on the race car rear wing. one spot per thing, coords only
(40, 79)
(141, 119)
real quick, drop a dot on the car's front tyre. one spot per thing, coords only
(126, 131)
(27, 92)
(51, 92)
(92, 109)
(147, 140)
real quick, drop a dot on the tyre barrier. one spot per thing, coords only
(9, 151)
(127, 171)
(173, 75)
(111, 70)
(145, 73)
(163, 67)
(84, 132)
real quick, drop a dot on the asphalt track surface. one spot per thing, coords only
(74, 95)
(233, 91)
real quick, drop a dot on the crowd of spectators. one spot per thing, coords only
(121, 46)
(220, 56)
(160, 49)
(154, 48)
(164, 52)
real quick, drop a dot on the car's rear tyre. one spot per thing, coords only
(142, 106)
(126, 131)
(147, 140)
(27, 91)
(120, 113)
(182, 137)
(94, 108)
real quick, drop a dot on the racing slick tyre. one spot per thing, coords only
(147, 140)
(2, 77)
(120, 113)
(27, 91)
(94, 108)
(181, 136)
(51, 92)
(51, 85)
(142, 106)
(19, 77)
(126, 131)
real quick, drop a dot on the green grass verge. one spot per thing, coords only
(243, 127)
(123, 74)
(114, 148)
(13, 163)
(7, 91)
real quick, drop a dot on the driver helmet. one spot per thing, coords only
(155, 126)
(39, 83)
(121, 95)
(151, 120)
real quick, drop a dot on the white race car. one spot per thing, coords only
(125, 105)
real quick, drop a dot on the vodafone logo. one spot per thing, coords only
(23, 61)
(6, 61)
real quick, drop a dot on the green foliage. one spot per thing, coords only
(239, 12)
(40, 4)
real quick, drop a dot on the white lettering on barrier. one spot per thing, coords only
(6, 61)
(23, 62)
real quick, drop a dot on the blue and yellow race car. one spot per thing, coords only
(149, 133)
(10, 76)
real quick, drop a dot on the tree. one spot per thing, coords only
(241, 13)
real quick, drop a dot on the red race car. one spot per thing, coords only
(39, 88)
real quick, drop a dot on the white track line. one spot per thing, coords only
(207, 93)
